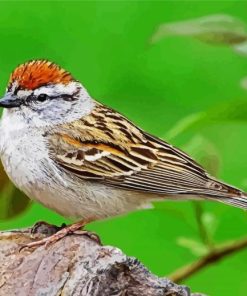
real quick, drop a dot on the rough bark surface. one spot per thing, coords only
(75, 265)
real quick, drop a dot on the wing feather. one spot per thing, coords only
(106, 147)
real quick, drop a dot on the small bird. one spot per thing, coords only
(85, 160)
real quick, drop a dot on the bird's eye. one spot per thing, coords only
(42, 98)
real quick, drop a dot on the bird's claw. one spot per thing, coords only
(56, 233)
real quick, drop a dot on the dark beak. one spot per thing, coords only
(10, 101)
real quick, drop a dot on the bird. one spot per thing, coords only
(86, 161)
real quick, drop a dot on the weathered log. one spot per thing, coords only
(75, 265)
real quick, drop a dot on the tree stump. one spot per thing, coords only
(75, 265)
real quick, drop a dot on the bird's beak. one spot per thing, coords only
(10, 101)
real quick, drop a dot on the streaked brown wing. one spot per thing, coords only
(107, 148)
(173, 173)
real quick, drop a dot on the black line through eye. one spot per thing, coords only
(42, 97)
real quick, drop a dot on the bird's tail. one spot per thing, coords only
(236, 201)
(227, 194)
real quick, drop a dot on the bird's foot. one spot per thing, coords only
(56, 233)
(42, 227)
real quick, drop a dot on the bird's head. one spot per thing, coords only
(42, 93)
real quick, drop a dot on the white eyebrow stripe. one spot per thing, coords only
(24, 93)
(58, 89)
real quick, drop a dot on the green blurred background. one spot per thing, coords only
(106, 45)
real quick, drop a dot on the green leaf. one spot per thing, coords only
(185, 124)
(241, 48)
(3, 177)
(231, 111)
(213, 29)
(204, 152)
(12, 201)
(210, 223)
(197, 248)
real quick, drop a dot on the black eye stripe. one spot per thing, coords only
(68, 97)
(44, 97)
(16, 90)
(39, 98)
(29, 98)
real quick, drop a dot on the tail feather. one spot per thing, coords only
(221, 192)
(239, 201)
(229, 195)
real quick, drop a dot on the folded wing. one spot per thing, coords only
(105, 147)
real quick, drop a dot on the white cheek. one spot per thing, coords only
(11, 125)
(49, 113)
(12, 121)
(64, 112)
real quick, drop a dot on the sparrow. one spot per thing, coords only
(85, 160)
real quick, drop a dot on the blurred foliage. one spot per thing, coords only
(213, 29)
(205, 152)
(183, 90)
(12, 201)
(224, 112)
